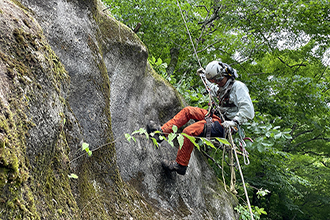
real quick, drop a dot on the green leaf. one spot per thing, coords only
(192, 139)
(260, 148)
(262, 211)
(170, 139)
(89, 153)
(209, 143)
(287, 136)
(171, 136)
(159, 61)
(222, 140)
(141, 131)
(175, 128)
(84, 146)
(152, 60)
(267, 143)
(155, 142)
(128, 137)
(180, 140)
(278, 136)
(134, 139)
(287, 131)
(72, 175)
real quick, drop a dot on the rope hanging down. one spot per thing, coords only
(231, 141)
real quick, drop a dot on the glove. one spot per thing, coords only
(200, 71)
(228, 124)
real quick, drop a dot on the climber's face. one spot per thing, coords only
(222, 82)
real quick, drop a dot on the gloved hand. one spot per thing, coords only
(228, 124)
(200, 71)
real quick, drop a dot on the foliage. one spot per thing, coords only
(72, 175)
(174, 135)
(281, 52)
(158, 65)
(85, 147)
(244, 212)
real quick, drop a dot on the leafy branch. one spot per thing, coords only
(175, 135)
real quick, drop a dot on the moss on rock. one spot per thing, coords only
(29, 60)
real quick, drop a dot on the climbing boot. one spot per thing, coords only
(152, 127)
(171, 166)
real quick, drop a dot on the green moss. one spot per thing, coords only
(53, 185)
(23, 194)
(19, 4)
(58, 68)
(13, 170)
(114, 30)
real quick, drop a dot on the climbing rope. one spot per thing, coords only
(231, 141)
(192, 43)
(242, 144)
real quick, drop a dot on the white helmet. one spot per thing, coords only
(218, 70)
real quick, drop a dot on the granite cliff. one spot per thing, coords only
(70, 73)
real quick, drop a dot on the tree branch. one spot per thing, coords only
(313, 139)
(301, 64)
(301, 133)
(211, 158)
(324, 164)
(314, 153)
(208, 46)
(213, 17)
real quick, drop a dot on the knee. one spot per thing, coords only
(186, 131)
(189, 131)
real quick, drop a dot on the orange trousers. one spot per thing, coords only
(180, 119)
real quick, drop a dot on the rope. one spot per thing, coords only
(241, 173)
(195, 52)
(192, 43)
(223, 175)
(243, 145)
(223, 119)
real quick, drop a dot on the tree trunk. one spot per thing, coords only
(174, 60)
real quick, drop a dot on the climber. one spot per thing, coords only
(235, 105)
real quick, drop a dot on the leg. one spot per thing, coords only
(183, 117)
(196, 129)
(183, 155)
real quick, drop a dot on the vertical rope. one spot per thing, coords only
(192, 43)
(231, 141)
(223, 175)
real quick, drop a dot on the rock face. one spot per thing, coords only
(70, 73)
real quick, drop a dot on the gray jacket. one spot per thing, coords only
(240, 104)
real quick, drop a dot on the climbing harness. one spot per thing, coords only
(208, 127)
(231, 141)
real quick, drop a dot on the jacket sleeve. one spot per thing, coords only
(244, 103)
